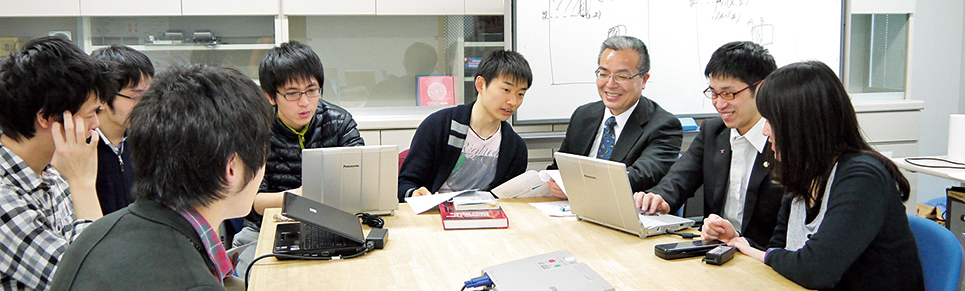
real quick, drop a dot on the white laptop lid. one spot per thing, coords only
(353, 179)
(599, 191)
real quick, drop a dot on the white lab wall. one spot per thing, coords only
(938, 78)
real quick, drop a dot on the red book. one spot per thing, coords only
(469, 219)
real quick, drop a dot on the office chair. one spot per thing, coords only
(402, 156)
(940, 254)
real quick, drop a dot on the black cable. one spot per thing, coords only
(683, 234)
(957, 164)
(369, 246)
(371, 220)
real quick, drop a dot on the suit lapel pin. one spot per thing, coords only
(721, 151)
(766, 164)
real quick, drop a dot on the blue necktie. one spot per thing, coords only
(606, 145)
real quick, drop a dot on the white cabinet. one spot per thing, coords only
(130, 8)
(39, 8)
(371, 137)
(229, 7)
(420, 7)
(882, 6)
(400, 137)
(485, 7)
(328, 7)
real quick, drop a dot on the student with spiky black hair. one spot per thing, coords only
(471, 146)
(50, 91)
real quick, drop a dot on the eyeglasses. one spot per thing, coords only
(295, 96)
(726, 95)
(619, 77)
(129, 97)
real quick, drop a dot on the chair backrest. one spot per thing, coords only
(940, 254)
(402, 156)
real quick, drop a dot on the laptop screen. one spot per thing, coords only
(353, 179)
(308, 211)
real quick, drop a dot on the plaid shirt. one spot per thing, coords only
(212, 243)
(38, 223)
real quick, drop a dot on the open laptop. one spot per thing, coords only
(599, 192)
(321, 231)
(353, 179)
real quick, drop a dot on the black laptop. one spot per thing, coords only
(322, 230)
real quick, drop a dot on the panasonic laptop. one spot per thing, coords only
(321, 231)
(353, 179)
(599, 192)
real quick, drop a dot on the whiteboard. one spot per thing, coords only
(561, 40)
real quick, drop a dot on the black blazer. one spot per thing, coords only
(649, 143)
(707, 163)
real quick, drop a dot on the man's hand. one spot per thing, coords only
(76, 160)
(651, 203)
(555, 189)
(716, 227)
(422, 191)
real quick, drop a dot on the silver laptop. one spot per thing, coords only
(353, 179)
(599, 192)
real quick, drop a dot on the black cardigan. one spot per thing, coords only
(864, 241)
(432, 157)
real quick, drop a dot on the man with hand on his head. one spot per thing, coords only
(50, 92)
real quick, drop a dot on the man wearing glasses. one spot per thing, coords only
(624, 126)
(115, 174)
(292, 77)
(729, 155)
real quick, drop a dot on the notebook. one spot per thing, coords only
(321, 231)
(353, 179)
(599, 192)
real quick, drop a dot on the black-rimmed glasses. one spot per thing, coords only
(295, 96)
(618, 77)
(726, 95)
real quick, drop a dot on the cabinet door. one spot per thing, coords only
(484, 7)
(400, 137)
(882, 6)
(130, 8)
(420, 7)
(40, 8)
(229, 7)
(328, 7)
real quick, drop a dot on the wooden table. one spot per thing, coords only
(420, 255)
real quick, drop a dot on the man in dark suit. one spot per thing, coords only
(729, 155)
(624, 126)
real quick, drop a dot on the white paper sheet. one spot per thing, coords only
(554, 208)
(420, 204)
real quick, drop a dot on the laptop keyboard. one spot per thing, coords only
(314, 238)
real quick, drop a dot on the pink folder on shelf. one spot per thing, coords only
(436, 91)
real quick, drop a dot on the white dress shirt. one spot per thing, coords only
(744, 151)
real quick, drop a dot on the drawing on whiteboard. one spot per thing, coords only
(570, 9)
(619, 30)
(561, 17)
(762, 33)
